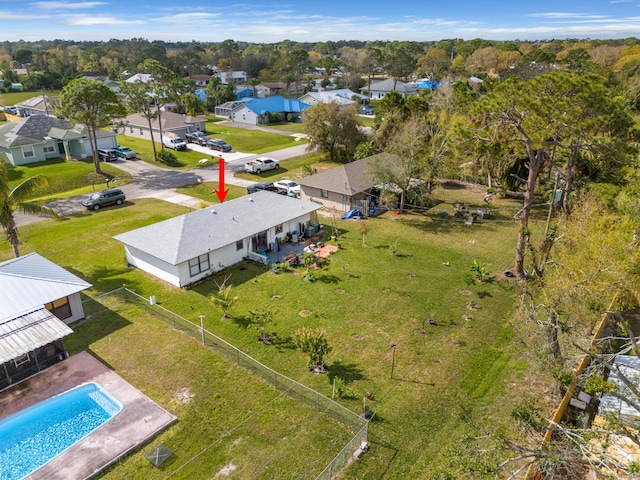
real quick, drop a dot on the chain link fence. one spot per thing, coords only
(357, 425)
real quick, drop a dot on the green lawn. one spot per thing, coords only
(66, 179)
(12, 98)
(366, 299)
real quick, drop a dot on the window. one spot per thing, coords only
(22, 359)
(279, 228)
(141, 132)
(199, 264)
(324, 193)
(60, 308)
(27, 152)
(239, 245)
(131, 129)
(49, 148)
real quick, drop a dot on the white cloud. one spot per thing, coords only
(67, 5)
(568, 15)
(13, 16)
(188, 17)
(96, 20)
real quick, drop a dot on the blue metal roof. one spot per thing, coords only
(276, 104)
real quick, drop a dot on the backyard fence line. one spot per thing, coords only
(290, 387)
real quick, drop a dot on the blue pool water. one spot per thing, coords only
(34, 436)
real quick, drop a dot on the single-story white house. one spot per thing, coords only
(190, 247)
(41, 137)
(38, 300)
(40, 105)
(136, 125)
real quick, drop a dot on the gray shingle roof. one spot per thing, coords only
(170, 120)
(348, 179)
(31, 281)
(32, 130)
(390, 84)
(179, 239)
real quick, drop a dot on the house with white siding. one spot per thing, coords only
(38, 300)
(185, 249)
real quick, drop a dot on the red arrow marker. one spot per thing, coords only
(221, 192)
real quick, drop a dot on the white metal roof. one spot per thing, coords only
(29, 282)
(28, 332)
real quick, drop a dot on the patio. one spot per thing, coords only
(139, 420)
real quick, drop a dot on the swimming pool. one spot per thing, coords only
(34, 436)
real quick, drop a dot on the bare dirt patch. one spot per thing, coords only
(304, 313)
(227, 470)
(183, 395)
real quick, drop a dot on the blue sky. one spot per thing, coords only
(263, 22)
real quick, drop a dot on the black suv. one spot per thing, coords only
(104, 198)
(107, 155)
(217, 144)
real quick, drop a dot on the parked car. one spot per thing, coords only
(174, 142)
(107, 155)
(288, 186)
(256, 187)
(103, 198)
(261, 164)
(365, 110)
(217, 144)
(196, 137)
(124, 152)
(11, 109)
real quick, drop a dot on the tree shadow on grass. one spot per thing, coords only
(240, 320)
(282, 343)
(484, 294)
(328, 279)
(348, 372)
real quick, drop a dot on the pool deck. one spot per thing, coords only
(139, 420)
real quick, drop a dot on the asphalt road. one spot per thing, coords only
(160, 182)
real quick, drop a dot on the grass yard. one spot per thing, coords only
(367, 299)
(12, 98)
(292, 169)
(66, 179)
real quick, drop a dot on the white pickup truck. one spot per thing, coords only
(261, 164)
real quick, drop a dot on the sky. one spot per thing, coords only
(260, 21)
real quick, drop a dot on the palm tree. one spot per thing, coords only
(16, 199)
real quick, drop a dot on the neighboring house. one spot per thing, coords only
(38, 300)
(344, 188)
(380, 89)
(257, 110)
(104, 78)
(136, 125)
(232, 77)
(40, 105)
(243, 91)
(343, 96)
(40, 137)
(269, 89)
(227, 108)
(199, 80)
(200, 243)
